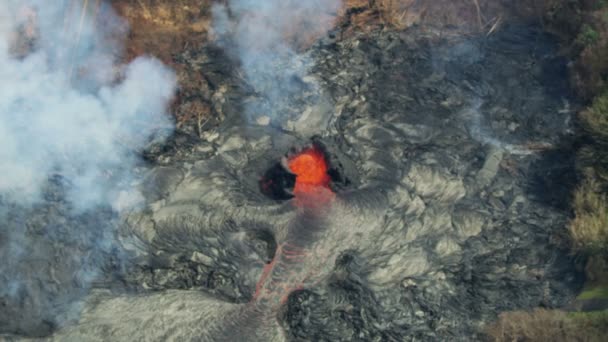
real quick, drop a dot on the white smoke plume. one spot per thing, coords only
(62, 109)
(69, 110)
(266, 36)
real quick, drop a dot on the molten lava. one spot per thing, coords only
(310, 169)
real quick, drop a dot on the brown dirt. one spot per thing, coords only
(161, 28)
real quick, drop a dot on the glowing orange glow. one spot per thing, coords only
(310, 169)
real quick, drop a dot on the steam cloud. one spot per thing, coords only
(60, 109)
(265, 35)
(68, 110)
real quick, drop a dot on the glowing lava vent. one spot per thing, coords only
(305, 175)
(310, 168)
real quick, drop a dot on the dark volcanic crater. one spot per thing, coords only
(452, 164)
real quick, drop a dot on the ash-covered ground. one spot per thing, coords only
(452, 163)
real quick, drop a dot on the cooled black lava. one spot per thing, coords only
(278, 183)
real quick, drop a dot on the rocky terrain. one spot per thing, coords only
(450, 157)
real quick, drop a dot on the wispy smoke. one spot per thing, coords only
(61, 110)
(68, 111)
(266, 36)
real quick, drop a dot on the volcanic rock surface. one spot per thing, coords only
(454, 163)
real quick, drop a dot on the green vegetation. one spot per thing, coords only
(582, 27)
(595, 119)
(589, 229)
(549, 325)
(591, 322)
(588, 36)
(600, 292)
(590, 317)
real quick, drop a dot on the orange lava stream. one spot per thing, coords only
(294, 267)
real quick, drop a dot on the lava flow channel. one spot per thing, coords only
(294, 266)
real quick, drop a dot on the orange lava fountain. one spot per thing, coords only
(310, 168)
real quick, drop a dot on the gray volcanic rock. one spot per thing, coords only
(452, 174)
(50, 256)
